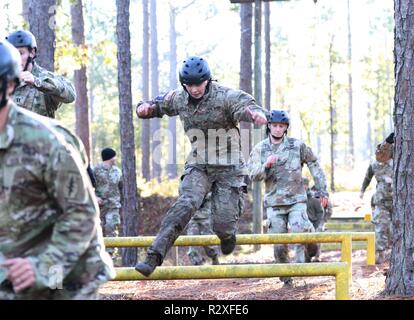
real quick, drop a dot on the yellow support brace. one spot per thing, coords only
(369, 237)
(338, 269)
(346, 252)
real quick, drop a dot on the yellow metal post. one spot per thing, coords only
(342, 283)
(369, 237)
(371, 249)
(346, 252)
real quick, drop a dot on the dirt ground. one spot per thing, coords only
(368, 281)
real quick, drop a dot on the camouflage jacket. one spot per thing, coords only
(108, 185)
(383, 174)
(48, 212)
(215, 117)
(48, 96)
(283, 181)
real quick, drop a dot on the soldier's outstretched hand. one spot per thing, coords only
(144, 110)
(257, 117)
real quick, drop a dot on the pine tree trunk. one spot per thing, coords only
(155, 122)
(246, 70)
(145, 131)
(257, 187)
(172, 127)
(350, 94)
(130, 204)
(400, 278)
(81, 103)
(41, 16)
(332, 111)
(268, 89)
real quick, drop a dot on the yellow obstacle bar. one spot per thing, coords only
(208, 240)
(345, 238)
(338, 269)
(369, 237)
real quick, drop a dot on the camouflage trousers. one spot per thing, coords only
(110, 221)
(227, 202)
(278, 219)
(382, 221)
(200, 224)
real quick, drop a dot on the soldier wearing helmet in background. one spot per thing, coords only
(381, 201)
(40, 90)
(316, 215)
(278, 160)
(51, 244)
(209, 112)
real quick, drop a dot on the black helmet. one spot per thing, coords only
(22, 38)
(279, 116)
(9, 67)
(9, 61)
(194, 70)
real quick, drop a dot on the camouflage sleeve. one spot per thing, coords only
(76, 226)
(307, 156)
(57, 87)
(368, 177)
(165, 104)
(238, 101)
(256, 168)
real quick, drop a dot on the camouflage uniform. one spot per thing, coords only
(285, 197)
(200, 224)
(47, 211)
(327, 210)
(218, 168)
(48, 96)
(316, 215)
(109, 189)
(382, 201)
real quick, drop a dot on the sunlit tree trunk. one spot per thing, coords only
(400, 279)
(130, 206)
(145, 131)
(41, 16)
(81, 103)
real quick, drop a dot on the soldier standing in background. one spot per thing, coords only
(316, 216)
(381, 200)
(209, 112)
(328, 209)
(51, 244)
(200, 224)
(40, 90)
(109, 192)
(278, 160)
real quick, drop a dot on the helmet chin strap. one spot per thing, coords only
(278, 138)
(199, 99)
(29, 60)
